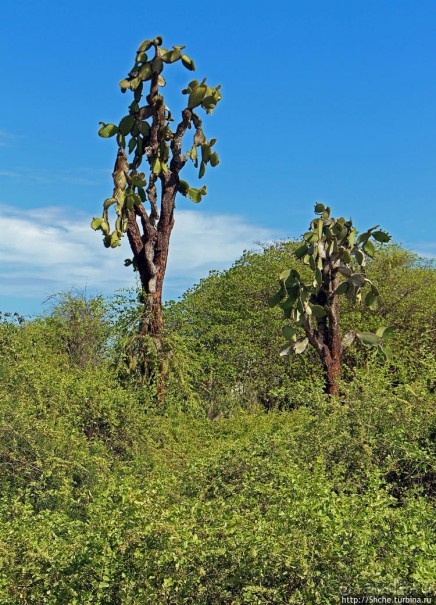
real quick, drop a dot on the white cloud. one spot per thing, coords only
(47, 250)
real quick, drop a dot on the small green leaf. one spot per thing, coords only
(289, 333)
(96, 223)
(114, 239)
(194, 195)
(352, 236)
(145, 72)
(132, 145)
(300, 346)
(124, 84)
(169, 56)
(342, 288)
(196, 96)
(183, 187)
(292, 292)
(363, 237)
(141, 57)
(105, 226)
(205, 152)
(385, 332)
(188, 62)
(156, 166)
(209, 103)
(348, 339)
(135, 83)
(301, 251)
(326, 213)
(108, 202)
(357, 280)
(371, 301)
(386, 352)
(144, 128)
(358, 255)
(345, 256)
(319, 208)
(369, 248)
(369, 339)
(285, 275)
(139, 179)
(126, 124)
(142, 195)
(286, 350)
(317, 310)
(107, 130)
(145, 46)
(381, 236)
(345, 271)
(192, 153)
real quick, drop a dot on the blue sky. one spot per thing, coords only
(322, 101)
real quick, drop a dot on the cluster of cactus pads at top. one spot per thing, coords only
(146, 132)
(336, 254)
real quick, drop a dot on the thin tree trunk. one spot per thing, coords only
(151, 260)
(332, 376)
(326, 338)
(333, 365)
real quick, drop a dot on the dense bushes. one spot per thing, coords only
(106, 500)
(281, 508)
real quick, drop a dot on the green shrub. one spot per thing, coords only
(284, 507)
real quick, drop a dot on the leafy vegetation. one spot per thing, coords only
(250, 485)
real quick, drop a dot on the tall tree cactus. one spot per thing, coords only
(144, 201)
(336, 255)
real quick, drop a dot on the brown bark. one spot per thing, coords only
(151, 256)
(333, 367)
(326, 337)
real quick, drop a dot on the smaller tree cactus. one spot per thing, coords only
(337, 255)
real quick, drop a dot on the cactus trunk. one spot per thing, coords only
(333, 364)
(151, 261)
(332, 376)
